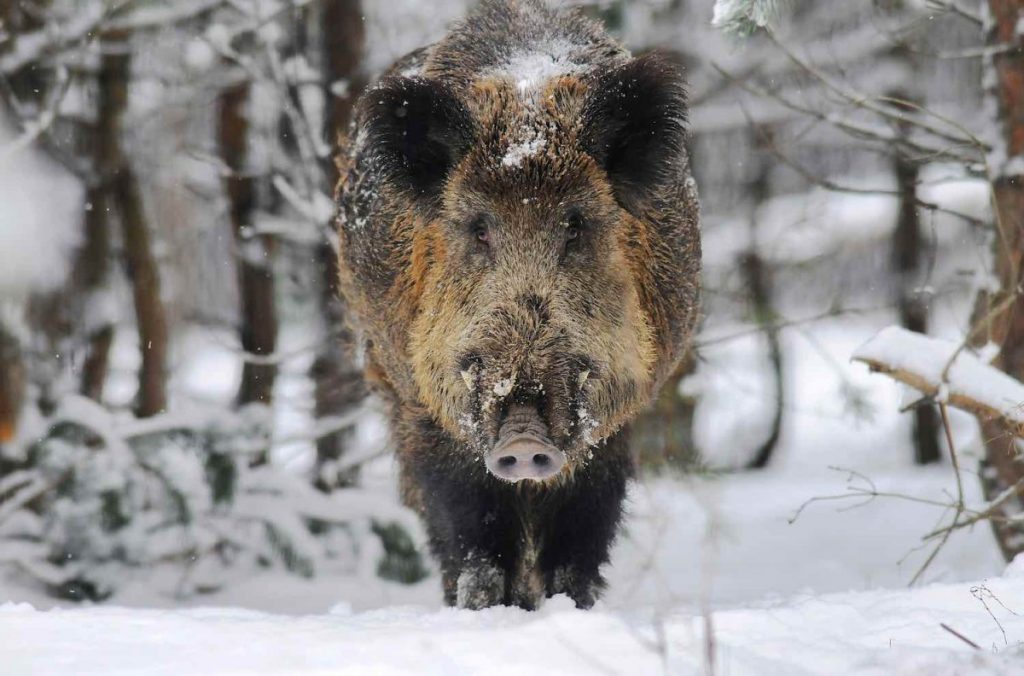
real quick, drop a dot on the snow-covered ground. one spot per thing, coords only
(875, 632)
(825, 594)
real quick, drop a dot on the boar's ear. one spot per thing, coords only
(634, 126)
(417, 130)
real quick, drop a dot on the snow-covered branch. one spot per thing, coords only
(743, 17)
(943, 370)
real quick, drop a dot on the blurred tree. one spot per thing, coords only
(20, 83)
(662, 436)
(126, 197)
(908, 248)
(999, 316)
(12, 388)
(758, 282)
(98, 85)
(258, 317)
(338, 383)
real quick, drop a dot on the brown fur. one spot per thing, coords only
(454, 137)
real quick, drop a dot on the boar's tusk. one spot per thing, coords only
(581, 379)
(469, 379)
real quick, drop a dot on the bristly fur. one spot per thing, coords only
(536, 129)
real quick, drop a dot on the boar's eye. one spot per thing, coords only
(573, 224)
(481, 231)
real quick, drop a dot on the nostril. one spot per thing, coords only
(526, 459)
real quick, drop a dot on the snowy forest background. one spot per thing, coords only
(180, 423)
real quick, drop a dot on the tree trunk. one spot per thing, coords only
(1000, 317)
(91, 269)
(123, 191)
(907, 244)
(258, 320)
(757, 279)
(759, 288)
(344, 39)
(12, 387)
(337, 382)
(26, 82)
(62, 311)
(149, 308)
(662, 435)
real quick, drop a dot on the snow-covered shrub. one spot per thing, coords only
(100, 496)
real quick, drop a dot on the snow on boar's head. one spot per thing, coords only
(546, 229)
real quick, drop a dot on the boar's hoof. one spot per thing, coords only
(524, 449)
(480, 585)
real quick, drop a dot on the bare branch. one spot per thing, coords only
(869, 103)
(958, 505)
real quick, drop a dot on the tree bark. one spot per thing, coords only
(759, 288)
(12, 360)
(123, 191)
(344, 42)
(258, 320)
(149, 307)
(337, 382)
(91, 269)
(662, 435)
(912, 305)
(12, 387)
(62, 312)
(1000, 316)
(758, 280)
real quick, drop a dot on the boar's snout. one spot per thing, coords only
(524, 449)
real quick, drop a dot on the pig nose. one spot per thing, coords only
(524, 450)
(525, 458)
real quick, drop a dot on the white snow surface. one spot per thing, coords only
(821, 595)
(880, 632)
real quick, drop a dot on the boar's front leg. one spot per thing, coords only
(583, 522)
(473, 533)
(475, 538)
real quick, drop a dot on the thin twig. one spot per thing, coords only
(981, 592)
(814, 179)
(959, 505)
(867, 103)
(865, 494)
(785, 324)
(960, 636)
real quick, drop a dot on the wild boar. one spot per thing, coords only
(520, 252)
